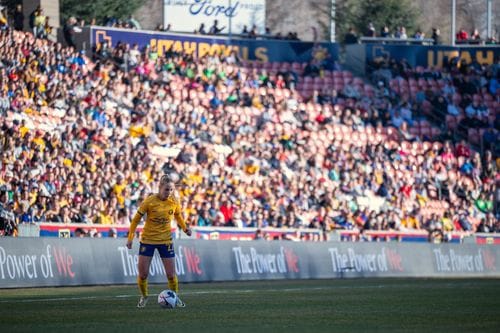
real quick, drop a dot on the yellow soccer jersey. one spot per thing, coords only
(159, 215)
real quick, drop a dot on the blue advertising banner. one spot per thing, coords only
(432, 56)
(248, 49)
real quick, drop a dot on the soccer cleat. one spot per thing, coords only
(142, 302)
(180, 303)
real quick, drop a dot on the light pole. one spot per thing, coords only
(488, 20)
(332, 21)
(230, 22)
(453, 20)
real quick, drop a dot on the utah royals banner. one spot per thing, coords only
(200, 45)
(433, 56)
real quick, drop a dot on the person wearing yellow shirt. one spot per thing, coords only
(411, 221)
(23, 129)
(39, 140)
(139, 129)
(105, 216)
(195, 178)
(119, 185)
(7, 178)
(447, 222)
(160, 209)
(39, 23)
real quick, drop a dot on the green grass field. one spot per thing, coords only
(348, 305)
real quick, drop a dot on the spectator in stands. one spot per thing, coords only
(8, 219)
(494, 84)
(488, 224)
(462, 36)
(215, 29)
(449, 90)
(401, 33)
(490, 138)
(419, 35)
(406, 113)
(201, 30)
(441, 108)
(436, 36)
(475, 36)
(39, 24)
(267, 33)
(4, 22)
(396, 118)
(31, 20)
(19, 18)
(134, 24)
(80, 233)
(244, 31)
(404, 132)
(384, 32)
(497, 201)
(259, 235)
(351, 37)
(462, 149)
(436, 234)
(46, 31)
(453, 108)
(370, 31)
(69, 31)
(253, 33)
(112, 233)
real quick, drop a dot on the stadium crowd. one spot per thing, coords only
(400, 33)
(82, 139)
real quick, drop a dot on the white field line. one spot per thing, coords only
(224, 291)
(77, 298)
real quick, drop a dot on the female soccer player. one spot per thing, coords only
(159, 209)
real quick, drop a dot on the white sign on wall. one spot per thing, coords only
(232, 15)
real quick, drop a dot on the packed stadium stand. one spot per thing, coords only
(85, 136)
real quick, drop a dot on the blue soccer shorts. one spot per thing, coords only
(165, 250)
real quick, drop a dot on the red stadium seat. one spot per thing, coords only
(451, 121)
(435, 132)
(319, 80)
(473, 136)
(347, 74)
(491, 118)
(328, 81)
(415, 131)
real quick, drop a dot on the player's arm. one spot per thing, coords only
(179, 218)
(135, 222)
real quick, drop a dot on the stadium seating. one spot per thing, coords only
(280, 157)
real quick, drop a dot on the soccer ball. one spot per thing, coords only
(167, 299)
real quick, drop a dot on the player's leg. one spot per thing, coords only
(145, 257)
(173, 283)
(169, 264)
(168, 259)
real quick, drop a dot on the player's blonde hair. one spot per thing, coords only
(166, 179)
